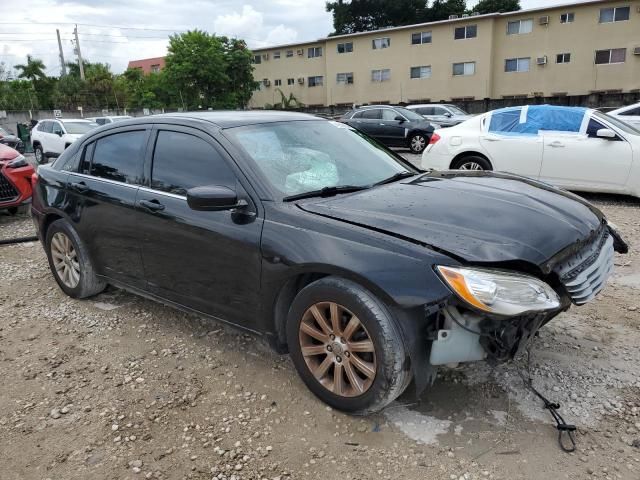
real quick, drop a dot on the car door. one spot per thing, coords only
(389, 130)
(441, 115)
(56, 142)
(369, 121)
(209, 261)
(582, 160)
(45, 135)
(102, 196)
(508, 151)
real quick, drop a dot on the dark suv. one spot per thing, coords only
(392, 126)
(370, 272)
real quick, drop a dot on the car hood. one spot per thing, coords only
(477, 217)
(73, 136)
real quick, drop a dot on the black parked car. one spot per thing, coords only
(392, 126)
(10, 140)
(368, 271)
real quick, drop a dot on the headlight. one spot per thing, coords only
(17, 162)
(500, 292)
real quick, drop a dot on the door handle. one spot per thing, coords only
(153, 205)
(80, 187)
(556, 144)
(492, 139)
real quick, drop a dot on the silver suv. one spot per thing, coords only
(445, 115)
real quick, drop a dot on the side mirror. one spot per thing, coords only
(606, 133)
(213, 198)
(399, 118)
(58, 132)
(448, 115)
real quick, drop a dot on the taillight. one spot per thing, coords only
(434, 138)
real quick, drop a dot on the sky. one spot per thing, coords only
(116, 31)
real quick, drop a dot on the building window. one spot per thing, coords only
(277, 82)
(291, 81)
(612, 55)
(289, 53)
(520, 27)
(420, 38)
(617, 14)
(470, 31)
(345, 47)
(344, 78)
(276, 55)
(257, 59)
(314, 52)
(567, 17)
(379, 43)
(517, 64)
(155, 68)
(315, 81)
(383, 75)
(563, 58)
(421, 72)
(465, 68)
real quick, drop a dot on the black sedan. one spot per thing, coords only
(391, 126)
(368, 271)
(10, 140)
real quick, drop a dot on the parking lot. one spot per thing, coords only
(121, 387)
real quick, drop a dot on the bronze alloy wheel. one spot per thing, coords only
(337, 349)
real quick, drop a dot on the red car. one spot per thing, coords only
(15, 179)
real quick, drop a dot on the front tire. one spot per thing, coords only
(346, 346)
(39, 154)
(418, 142)
(69, 262)
(472, 162)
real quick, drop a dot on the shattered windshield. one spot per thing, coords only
(303, 156)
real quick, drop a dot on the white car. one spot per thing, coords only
(629, 114)
(571, 147)
(109, 119)
(50, 137)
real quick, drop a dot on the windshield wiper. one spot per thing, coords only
(325, 192)
(395, 177)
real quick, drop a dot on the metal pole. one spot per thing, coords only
(75, 33)
(63, 67)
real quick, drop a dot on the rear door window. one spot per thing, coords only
(182, 161)
(631, 112)
(425, 110)
(373, 114)
(119, 157)
(45, 127)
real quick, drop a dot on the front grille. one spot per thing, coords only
(7, 191)
(585, 273)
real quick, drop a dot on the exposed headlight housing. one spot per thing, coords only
(499, 292)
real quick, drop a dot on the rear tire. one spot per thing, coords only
(363, 368)
(472, 162)
(70, 263)
(418, 142)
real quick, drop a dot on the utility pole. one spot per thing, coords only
(63, 67)
(78, 53)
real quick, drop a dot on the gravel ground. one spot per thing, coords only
(120, 387)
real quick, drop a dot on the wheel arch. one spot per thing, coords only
(299, 280)
(469, 153)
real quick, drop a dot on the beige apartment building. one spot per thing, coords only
(570, 49)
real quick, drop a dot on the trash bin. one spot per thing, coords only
(24, 134)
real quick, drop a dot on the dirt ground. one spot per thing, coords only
(119, 387)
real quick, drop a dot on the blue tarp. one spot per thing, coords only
(529, 120)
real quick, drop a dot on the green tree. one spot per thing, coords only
(442, 9)
(365, 15)
(34, 69)
(210, 71)
(492, 6)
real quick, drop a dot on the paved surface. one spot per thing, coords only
(120, 387)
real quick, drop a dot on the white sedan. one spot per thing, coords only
(571, 147)
(629, 114)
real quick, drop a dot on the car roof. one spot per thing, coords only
(624, 109)
(233, 118)
(420, 105)
(65, 120)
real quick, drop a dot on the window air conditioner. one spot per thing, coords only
(301, 51)
(541, 60)
(453, 17)
(636, 50)
(266, 82)
(544, 20)
(301, 80)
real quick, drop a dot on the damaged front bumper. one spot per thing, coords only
(466, 336)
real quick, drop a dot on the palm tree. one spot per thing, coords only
(33, 70)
